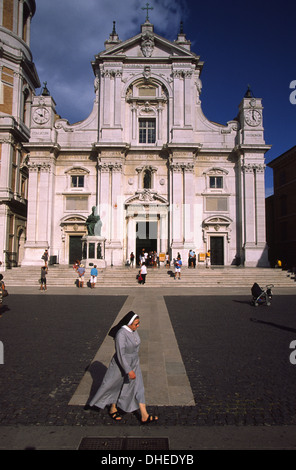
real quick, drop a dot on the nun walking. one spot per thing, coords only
(123, 386)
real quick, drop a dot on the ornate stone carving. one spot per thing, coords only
(115, 167)
(39, 166)
(252, 167)
(179, 167)
(147, 44)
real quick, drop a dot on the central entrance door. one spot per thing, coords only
(146, 237)
(75, 248)
(217, 251)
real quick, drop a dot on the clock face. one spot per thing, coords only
(41, 115)
(253, 117)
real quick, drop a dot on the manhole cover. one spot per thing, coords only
(128, 443)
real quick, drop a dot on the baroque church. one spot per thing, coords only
(146, 162)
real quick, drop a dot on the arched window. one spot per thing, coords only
(147, 179)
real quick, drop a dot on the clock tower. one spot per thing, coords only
(43, 115)
(251, 151)
(250, 118)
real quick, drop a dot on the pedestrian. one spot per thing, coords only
(81, 272)
(93, 276)
(43, 278)
(76, 265)
(123, 386)
(167, 259)
(45, 257)
(208, 258)
(2, 291)
(194, 259)
(132, 259)
(143, 273)
(178, 265)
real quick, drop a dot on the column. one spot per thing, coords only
(260, 205)
(254, 216)
(117, 102)
(7, 145)
(104, 210)
(40, 200)
(32, 203)
(28, 35)
(177, 205)
(44, 203)
(106, 99)
(20, 18)
(187, 98)
(163, 233)
(178, 98)
(17, 95)
(116, 209)
(131, 237)
(249, 205)
(188, 204)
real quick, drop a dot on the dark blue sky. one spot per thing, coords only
(241, 43)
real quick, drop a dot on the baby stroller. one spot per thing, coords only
(261, 296)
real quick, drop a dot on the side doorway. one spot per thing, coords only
(217, 251)
(75, 248)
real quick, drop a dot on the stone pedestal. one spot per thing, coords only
(93, 251)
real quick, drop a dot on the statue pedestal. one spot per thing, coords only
(93, 251)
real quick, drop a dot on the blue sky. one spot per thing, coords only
(241, 43)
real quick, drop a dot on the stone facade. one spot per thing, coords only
(161, 175)
(18, 81)
(281, 211)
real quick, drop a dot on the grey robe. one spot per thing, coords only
(117, 387)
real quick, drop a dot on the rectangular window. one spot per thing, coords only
(216, 182)
(147, 131)
(77, 181)
(216, 204)
(76, 203)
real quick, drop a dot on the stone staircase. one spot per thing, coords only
(235, 277)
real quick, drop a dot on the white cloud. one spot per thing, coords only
(67, 34)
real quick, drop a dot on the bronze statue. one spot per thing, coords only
(94, 223)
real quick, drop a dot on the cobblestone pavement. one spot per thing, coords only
(236, 357)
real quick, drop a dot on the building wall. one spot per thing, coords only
(284, 174)
(150, 161)
(18, 80)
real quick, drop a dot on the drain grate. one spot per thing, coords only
(127, 443)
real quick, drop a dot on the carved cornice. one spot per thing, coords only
(253, 167)
(39, 167)
(115, 167)
(177, 167)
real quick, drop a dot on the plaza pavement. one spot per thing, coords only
(166, 384)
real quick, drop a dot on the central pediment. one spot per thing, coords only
(146, 196)
(147, 45)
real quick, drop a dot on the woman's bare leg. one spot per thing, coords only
(145, 414)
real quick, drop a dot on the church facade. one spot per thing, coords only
(156, 171)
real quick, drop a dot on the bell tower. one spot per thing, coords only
(18, 81)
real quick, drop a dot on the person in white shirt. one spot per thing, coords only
(143, 273)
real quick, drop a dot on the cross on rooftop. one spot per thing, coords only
(147, 8)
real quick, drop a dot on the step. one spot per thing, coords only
(65, 276)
